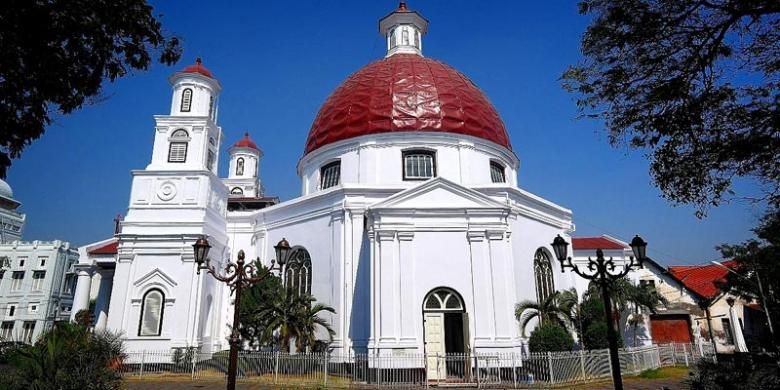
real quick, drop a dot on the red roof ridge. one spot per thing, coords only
(110, 248)
(597, 242)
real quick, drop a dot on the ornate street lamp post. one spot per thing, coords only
(237, 276)
(603, 271)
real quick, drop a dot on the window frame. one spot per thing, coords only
(143, 312)
(178, 139)
(240, 166)
(500, 168)
(38, 282)
(422, 152)
(298, 271)
(186, 98)
(543, 275)
(327, 168)
(239, 191)
(14, 286)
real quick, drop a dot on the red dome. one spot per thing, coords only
(406, 92)
(246, 142)
(198, 67)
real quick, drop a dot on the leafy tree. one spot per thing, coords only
(756, 259)
(252, 323)
(570, 301)
(594, 324)
(67, 356)
(55, 55)
(697, 83)
(550, 337)
(549, 310)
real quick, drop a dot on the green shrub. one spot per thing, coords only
(66, 357)
(742, 372)
(550, 337)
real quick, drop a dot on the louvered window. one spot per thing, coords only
(240, 166)
(330, 174)
(405, 36)
(497, 172)
(177, 151)
(392, 38)
(419, 165)
(210, 161)
(186, 100)
(151, 313)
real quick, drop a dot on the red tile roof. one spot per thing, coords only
(702, 280)
(198, 67)
(107, 249)
(596, 243)
(246, 142)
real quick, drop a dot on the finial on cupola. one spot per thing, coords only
(402, 6)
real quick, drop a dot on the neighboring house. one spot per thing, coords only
(37, 289)
(693, 293)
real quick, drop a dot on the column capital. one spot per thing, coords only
(405, 236)
(385, 235)
(494, 235)
(475, 235)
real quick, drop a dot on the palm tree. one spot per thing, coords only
(549, 310)
(310, 320)
(296, 317)
(570, 301)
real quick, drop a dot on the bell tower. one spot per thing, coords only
(175, 200)
(243, 179)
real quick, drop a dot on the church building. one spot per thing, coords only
(410, 221)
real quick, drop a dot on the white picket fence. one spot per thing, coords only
(487, 370)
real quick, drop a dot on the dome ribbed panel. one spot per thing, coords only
(406, 92)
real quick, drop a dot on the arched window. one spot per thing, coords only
(405, 36)
(152, 308)
(497, 172)
(186, 100)
(543, 275)
(240, 166)
(237, 191)
(330, 174)
(298, 270)
(392, 39)
(416, 39)
(419, 164)
(443, 299)
(211, 107)
(177, 151)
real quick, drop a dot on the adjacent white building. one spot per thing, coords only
(410, 221)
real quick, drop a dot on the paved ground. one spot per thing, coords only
(630, 383)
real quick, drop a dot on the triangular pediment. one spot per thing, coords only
(438, 193)
(155, 275)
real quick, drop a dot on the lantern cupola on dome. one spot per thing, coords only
(195, 91)
(403, 29)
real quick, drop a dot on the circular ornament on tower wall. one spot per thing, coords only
(167, 191)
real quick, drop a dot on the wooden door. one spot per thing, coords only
(671, 329)
(434, 346)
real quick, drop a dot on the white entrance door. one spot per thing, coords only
(434, 346)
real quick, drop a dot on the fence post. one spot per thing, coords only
(425, 366)
(550, 366)
(276, 367)
(194, 358)
(143, 357)
(610, 365)
(582, 365)
(476, 368)
(327, 362)
(685, 352)
(514, 371)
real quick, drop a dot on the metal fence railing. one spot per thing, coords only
(505, 370)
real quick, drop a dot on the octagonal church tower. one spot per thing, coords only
(157, 299)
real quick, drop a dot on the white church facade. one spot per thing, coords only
(410, 222)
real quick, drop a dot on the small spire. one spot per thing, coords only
(198, 61)
(402, 6)
(246, 134)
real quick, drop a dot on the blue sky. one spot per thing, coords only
(278, 61)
